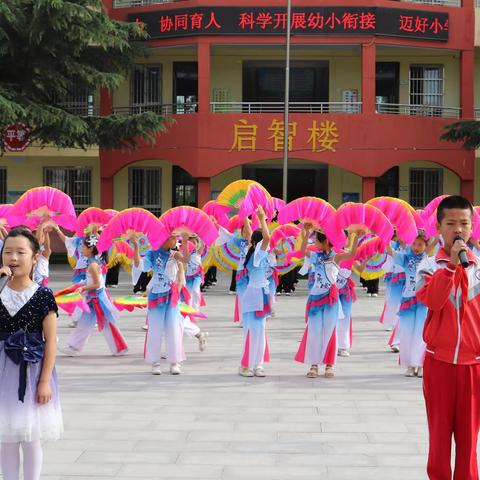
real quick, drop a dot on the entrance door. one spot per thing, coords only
(184, 188)
(387, 184)
(302, 181)
(185, 87)
(387, 85)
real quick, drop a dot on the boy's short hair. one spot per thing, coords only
(453, 201)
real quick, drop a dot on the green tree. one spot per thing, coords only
(467, 132)
(49, 46)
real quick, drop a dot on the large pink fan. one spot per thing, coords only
(359, 215)
(41, 203)
(7, 219)
(306, 210)
(400, 215)
(192, 220)
(132, 220)
(366, 250)
(256, 196)
(278, 203)
(90, 219)
(217, 211)
(236, 223)
(282, 232)
(431, 207)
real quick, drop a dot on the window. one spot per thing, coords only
(74, 181)
(145, 189)
(146, 89)
(425, 185)
(426, 89)
(3, 185)
(78, 101)
(184, 188)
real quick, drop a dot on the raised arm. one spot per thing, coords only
(247, 229)
(262, 218)
(353, 240)
(304, 245)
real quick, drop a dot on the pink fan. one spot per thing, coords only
(278, 203)
(42, 203)
(282, 232)
(124, 248)
(256, 196)
(307, 210)
(367, 250)
(133, 220)
(359, 215)
(431, 207)
(219, 212)
(7, 219)
(192, 220)
(236, 223)
(90, 219)
(400, 215)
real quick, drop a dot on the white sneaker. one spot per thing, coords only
(343, 352)
(214, 283)
(419, 372)
(231, 293)
(145, 327)
(374, 294)
(245, 372)
(395, 348)
(410, 372)
(202, 341)
(272, 314)
(175, 369)
(112, 286)
(287, 294)
(279, 294)
(156, 369)
(73, 324)
(69, 351)
(259, 372)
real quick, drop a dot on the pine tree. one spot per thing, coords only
(48, 47)
(467, 132)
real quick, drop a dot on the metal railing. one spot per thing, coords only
(278, 107)
(79, 108)
(139, 3)
(418, 110)
(477, 113)
(160, 109)
(445, 3)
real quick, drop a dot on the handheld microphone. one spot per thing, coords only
(462, 254)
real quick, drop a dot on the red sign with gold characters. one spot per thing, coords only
(16, 138)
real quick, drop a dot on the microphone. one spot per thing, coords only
(462, 254)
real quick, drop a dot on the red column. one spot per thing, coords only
(369, 58)
(467, 189)
(466, 83)
(203, 191)
(203, 57)
(106, 102)
(106, 192)
(368, 188)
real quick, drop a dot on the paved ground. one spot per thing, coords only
(122, 422)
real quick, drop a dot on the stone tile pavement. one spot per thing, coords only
(123, 423)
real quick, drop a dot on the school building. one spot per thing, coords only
(372, 86)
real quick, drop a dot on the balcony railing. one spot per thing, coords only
(445, 3)
(295, 107)
(139, 3)
(160, 109)
(418, 110)
(142, 3)
(79, 108)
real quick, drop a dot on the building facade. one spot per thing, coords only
(372, 87)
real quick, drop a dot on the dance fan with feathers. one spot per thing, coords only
(373, 268)
(131, 302)
(69, 300)
(429, 216)
(218, 212)
(43, 203)
(93, 219)
(359, 216)
(282, 240)
(133, 221)
(246, 196)
(191, 220)
(400, 215)
(7, 219)
(476, 223)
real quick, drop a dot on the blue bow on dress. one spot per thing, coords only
(23, 348)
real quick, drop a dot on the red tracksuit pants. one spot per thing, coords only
(452, 398)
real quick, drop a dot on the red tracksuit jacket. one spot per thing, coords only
(452, 295)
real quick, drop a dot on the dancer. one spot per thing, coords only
(30, 411)
(163, 318)
(42, 267)
(254, 301)
(319, 342)
(452, 365)
(412, 313)
(102, 312)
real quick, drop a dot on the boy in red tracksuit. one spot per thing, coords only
(452, 333)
